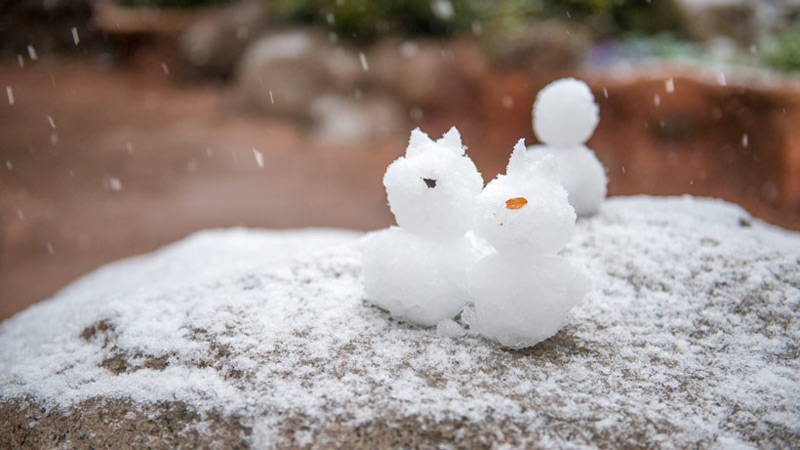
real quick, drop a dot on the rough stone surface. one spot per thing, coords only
(262, 339)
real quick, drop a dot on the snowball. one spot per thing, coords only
(542, 224)
(520, 303)
(582, 175)
(433, 188)
(565, 113)
(417, 279)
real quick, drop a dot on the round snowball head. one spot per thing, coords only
(432, 190)
(527, 210)
(529, 219)
(565, 113)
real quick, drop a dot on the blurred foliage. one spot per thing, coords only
(614, 17)
(784, 54)
(168, 4)
(367, 19)
(637, 46)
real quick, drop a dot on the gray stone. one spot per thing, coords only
(541, 47)
(284, 72)
(213, 46)
(348, 118)
(428, 74)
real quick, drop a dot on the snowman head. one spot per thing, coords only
(433, 188)
(565, 114)
(526, 211)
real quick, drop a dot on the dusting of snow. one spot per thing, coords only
(689, 336)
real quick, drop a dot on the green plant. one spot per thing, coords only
(171, 4)
(366, 19)
(784, 54)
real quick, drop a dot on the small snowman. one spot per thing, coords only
(564, 118)
(524, 291)
(417, 271)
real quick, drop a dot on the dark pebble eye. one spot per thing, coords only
(430, 182)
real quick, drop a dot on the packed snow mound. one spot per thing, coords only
(688, 337)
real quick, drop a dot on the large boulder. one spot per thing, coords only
(348, 118)
(212, 46)
(284, 72)
(428, 74)
(263, 339)
(544, 46)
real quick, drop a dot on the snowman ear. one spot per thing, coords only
(418, 140)
(452, 141)
(517, 163)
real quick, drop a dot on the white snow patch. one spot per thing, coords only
(687, 334)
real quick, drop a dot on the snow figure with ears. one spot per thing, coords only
(564, 118)
(524, 291)
(417, 271)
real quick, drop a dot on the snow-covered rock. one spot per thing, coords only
(263, 338)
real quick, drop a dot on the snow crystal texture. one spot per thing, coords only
(689, 338)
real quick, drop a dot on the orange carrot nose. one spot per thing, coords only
(516, 203)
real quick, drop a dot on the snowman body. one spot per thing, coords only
(417, 271)
(582, 175)
(417, 279)
(564, 118)
(527, 300)
(524, 291)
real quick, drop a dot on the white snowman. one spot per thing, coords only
(524, 291)
(564, 118)
(417, 271)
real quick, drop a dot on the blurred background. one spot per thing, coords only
(128, 124)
